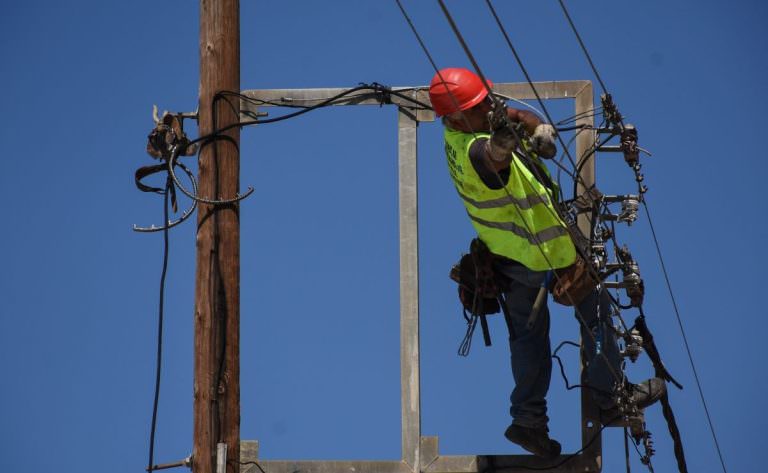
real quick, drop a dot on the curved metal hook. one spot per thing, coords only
(170, 224)
(193, 195)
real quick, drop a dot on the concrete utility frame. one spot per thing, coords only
(420, 454)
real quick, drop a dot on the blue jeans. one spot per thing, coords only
(530, 350)
(602, 373)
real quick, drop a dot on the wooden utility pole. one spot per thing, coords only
(217, 285)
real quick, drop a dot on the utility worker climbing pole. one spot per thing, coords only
(510, 198)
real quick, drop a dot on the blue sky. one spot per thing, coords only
(320, 372)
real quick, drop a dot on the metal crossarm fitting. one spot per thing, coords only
(420, 454)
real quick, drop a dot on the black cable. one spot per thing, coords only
(575, 127)
(254, 463)
(593, 112)
(527, 77)
(464, 45)
(378, 88)
(685, 338)
(583, 47)
(583, 159)
(277, 119)
(375, 87)
(418, 36)
(626, 447)
(568, 385)
(158, 366)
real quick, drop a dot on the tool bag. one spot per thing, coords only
(479, 290)
(573, 283)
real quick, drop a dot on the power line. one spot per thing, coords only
(661, 259)
(528, 78)
(685, 338)
(583, 47)
(602, 85)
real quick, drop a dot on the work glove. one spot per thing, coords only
(503, 141)
(543, 141)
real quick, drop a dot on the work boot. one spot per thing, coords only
(647, 392)
(643, 395)
(535, 440)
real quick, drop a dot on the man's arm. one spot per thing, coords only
(494, 174)
(542, 135)
(529, 119)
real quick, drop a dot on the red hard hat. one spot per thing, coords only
(454, 89)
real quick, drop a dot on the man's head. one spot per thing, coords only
(460, 96)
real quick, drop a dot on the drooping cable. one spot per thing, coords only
(329, 101)
(256, 464)
(568, 385)
(685, 338)
(160, 311)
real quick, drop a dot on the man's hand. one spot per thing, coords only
(503, 141)
(543, 141)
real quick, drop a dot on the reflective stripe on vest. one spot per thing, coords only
(518, 221)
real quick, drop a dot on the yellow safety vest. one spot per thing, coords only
(518, 221)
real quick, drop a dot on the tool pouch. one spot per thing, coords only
(572, 284)
(478, 290)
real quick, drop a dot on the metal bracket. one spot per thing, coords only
(420, 454)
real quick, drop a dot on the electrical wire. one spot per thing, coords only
(685, 338)
(521, 102)
(593, 112)
(528, 78)
(568, 385)
(253, 463)
(329, 101)
(160, 311)
(583, 47)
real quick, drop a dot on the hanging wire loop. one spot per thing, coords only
(185, 215)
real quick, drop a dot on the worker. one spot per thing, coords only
(510, 199)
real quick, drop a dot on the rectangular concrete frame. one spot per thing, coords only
(420, 454)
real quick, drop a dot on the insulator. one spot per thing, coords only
(629, 146)
(634, 345)
(629, 208)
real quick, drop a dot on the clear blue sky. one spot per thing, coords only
(320, 374)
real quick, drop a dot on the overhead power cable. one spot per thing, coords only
(530, 82)
(661, 260)
(685, 338)
(583, 47)
(582, 159)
